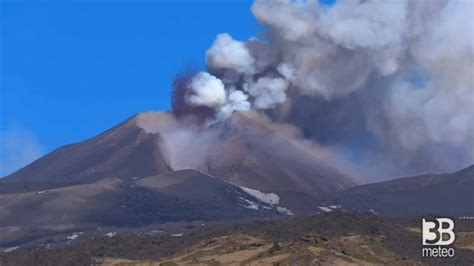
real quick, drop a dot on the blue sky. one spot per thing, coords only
(70, 70)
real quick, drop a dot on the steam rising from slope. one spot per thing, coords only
(403, 70)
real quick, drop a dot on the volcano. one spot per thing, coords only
(247, 149)
(143, 171)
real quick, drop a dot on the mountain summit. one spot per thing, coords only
(153, 168)
(247, 149)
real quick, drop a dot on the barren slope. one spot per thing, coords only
(123, 151)
(447, 194)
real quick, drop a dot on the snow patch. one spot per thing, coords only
(177, 235)
(284, 211)
(374, 211)
(325, 209)
(248, 203)
(153, 232)
(74, 236)
(10, 249)
(111, 234)
(269, 198)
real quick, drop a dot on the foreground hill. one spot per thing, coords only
(328, 239)
(171, 197)
(447, 194)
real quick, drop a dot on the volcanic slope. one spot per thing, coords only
(447, 194)
(185, 195)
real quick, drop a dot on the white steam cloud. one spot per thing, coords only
(400, 73)
(227, 53)
(236, 101)
(267, 92)
(206, 90)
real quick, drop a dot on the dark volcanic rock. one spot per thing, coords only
(185, 195)
(292, 235)
(123, 151)
(446, 194)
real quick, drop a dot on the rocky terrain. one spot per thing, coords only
(157, 190)
(446, 194)
(335, 238)
(185, 195)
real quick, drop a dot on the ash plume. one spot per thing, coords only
(386, 85)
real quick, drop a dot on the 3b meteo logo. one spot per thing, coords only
(436, 235)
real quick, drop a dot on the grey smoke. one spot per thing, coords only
(388, 85)
(268, 92)
(184, 145)
(236, 101)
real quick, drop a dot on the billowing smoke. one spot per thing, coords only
(267, 92)
(388, 85)
(227, 53)
(206, 90)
